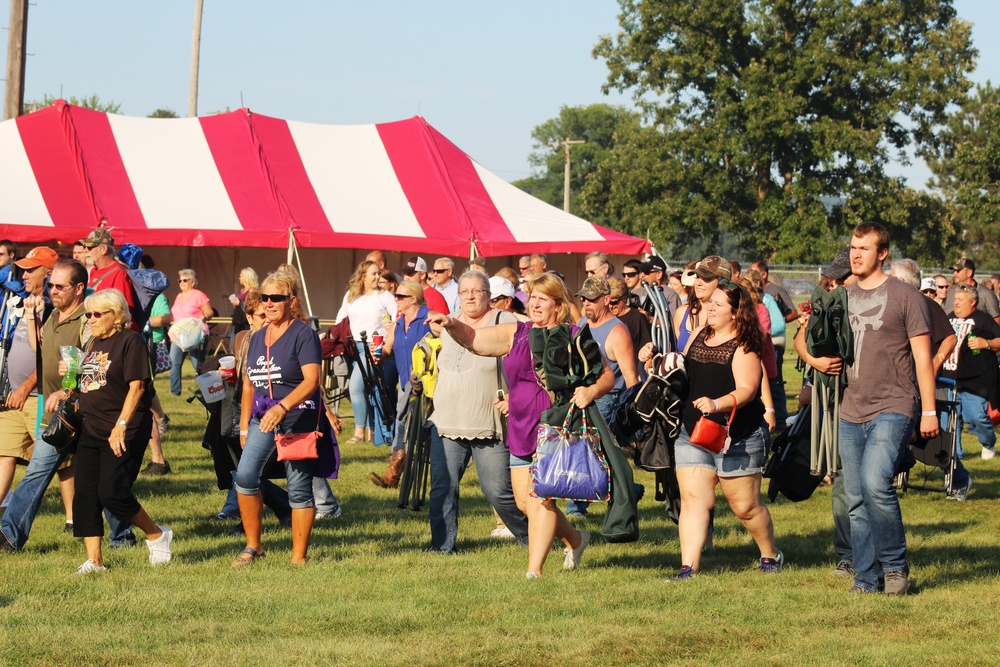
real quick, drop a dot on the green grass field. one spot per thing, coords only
(370, 596)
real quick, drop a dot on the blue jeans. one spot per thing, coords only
(177, 360)
(841, 521)
(257, 451)
(449, 459)
(402, 407)
(27, 498)
(326, 502)
(975, 416)
(870, 453)
(275, 497)
(777, 385)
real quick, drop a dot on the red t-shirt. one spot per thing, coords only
(435, 301)
(115, 277)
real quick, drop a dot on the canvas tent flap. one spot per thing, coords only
(241, 179)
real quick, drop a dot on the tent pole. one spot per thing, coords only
(293, 250)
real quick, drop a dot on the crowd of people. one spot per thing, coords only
(489, 396)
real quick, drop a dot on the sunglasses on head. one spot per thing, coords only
(966, 288)
(273, 298)
(728, 285)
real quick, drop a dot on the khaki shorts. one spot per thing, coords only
(17, 430)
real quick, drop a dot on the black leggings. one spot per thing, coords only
(105, 480)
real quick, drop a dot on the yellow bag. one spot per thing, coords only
(425, 367)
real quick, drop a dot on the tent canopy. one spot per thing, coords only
(244, 180)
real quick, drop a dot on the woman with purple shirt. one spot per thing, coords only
(548, 306)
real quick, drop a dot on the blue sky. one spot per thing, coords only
(484, 74)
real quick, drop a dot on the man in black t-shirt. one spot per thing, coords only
(973, 365)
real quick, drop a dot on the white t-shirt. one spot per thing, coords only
(372, 312)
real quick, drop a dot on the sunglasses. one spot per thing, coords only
(498, 299)
(184, 280)
(629, 274)
(942, 287)
(400, 297)
(273, 298)
(56, 287)
(728, 285)
(96, 314)
(614, 302)
(439, 270)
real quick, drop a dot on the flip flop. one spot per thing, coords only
(247, 557)
(355, 440)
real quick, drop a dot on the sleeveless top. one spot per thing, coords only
(600, 334)
(710, 373)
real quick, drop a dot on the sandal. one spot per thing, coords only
(355, 440)
(247, 557)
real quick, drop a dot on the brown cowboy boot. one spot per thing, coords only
(392, 475)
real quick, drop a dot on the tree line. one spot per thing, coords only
(764, 128)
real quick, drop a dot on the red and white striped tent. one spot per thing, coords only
(241, 179)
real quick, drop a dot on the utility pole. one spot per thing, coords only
(17, 36)
(195, 58)
(566, 144)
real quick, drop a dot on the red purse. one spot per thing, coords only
(294, 446)
(712, 435)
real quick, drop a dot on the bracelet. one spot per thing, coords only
(767, 410)
(244, 432)
(929, 413)
(716, 404)
(282, 406)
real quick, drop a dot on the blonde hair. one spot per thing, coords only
(113, 300)
(617, 287)
(290, 283)
(414, 289)
(509, 274)
(356, 285)
(553, 287)
(249, 278)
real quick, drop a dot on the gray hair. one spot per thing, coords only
(907, 271)
(189, 274)
(113, 300)
(447, 261)
(476, 274)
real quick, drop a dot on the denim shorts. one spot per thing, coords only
(520, 461)
(745, 457)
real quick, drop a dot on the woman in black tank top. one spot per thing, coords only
(724, 369)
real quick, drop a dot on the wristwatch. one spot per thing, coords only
(122, 422)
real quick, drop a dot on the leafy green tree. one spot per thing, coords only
(91, 102)
(767, 109)
(966, 168)
(597, 125)
(163, 112)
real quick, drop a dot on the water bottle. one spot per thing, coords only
(69, 380)
(971, 338)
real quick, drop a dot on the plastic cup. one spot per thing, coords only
(227, 363)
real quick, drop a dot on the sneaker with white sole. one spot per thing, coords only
(502, 533)
(90, 567)
(574, 556)
(960, 493)
(772, 565)
(988, 453)
(844, 569)
(159, 549)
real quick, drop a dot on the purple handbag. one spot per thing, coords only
(568, 464)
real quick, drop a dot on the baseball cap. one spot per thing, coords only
(40, 256)
(928, 284)
(713, 267)
(964, 263)
(413, 265)
(500, 286)
(99, 236)
(654, 263)
(594, 287)
(840, 267)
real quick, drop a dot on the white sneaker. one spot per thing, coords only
(988, 453)
(574, 556)
(89, 567)
(502, 533)
(159, 549)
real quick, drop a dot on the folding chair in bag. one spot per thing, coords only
(336, 368)
(937, 454)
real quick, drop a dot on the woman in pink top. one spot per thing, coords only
(194, 303)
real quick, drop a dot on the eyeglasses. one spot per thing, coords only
(467, 292)
(273, 298)
(96, 314)
(439, 270)
(400, 297)
(56, 287)
(184, 280)
(942, 287)
(629, 274)
(260, 316)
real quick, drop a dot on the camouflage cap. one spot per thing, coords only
(593, 288)
(100, 236)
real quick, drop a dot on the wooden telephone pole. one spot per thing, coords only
(566, 144)
(195, 58)
(13, 100)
